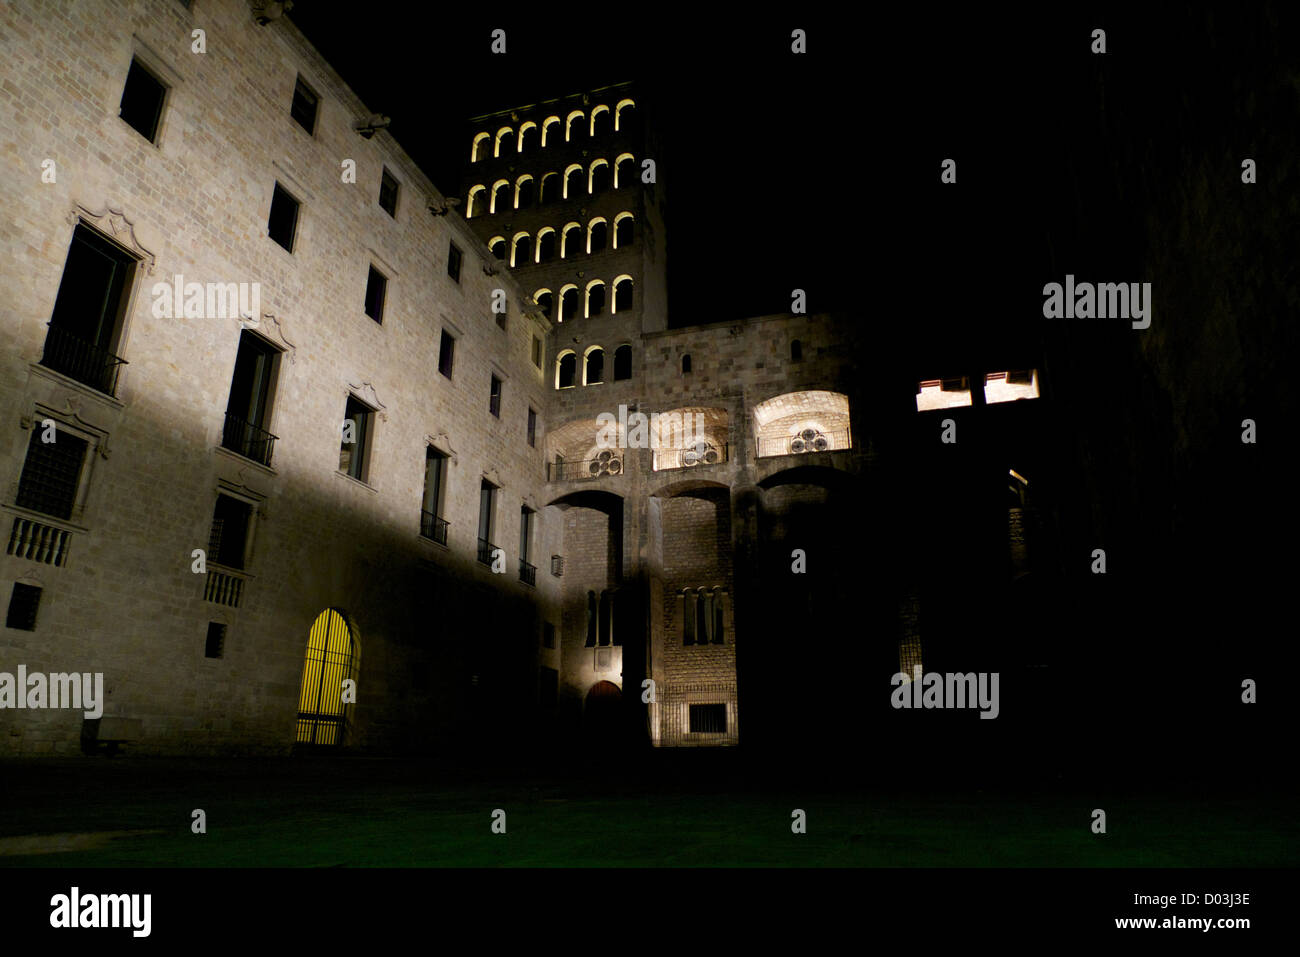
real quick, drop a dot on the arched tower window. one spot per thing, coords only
(497, 246)
(566, 370)
(549, 188)
(622, 363)
(546, 245)
(501, 195)
(596, 298)
(598, 178)
(505, 141)
(624, 171)
(572, 181)
(477, 200)
(574, 127)
(549, 126)
(568, 303)
(622, 230)
(524, 130)
(524, 192)
(569, 240)
(523, 251)
(622, 113)
(594, 370)
(597, 235)
(479, 151)
(623, 294)
(600, 120)
(545, 301)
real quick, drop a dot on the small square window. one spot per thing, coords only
(23, 604)
(216, 642)
(283, 224)
(537, 352)
(446, 353)
(454, 256)
(142, 100)
(305, 106)
(708, 719)
(388, 194)
(376, 288)
(494, 400)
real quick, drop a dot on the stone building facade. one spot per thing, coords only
(296, 454)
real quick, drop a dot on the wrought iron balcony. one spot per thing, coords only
(248, 440)
(527, 573)
(485, 550)
(433, 528)
(608, 462)
(702, 453)
(803, 442)
(81, 360)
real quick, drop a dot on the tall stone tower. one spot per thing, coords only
(566, 193)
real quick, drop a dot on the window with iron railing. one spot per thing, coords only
(51, 473)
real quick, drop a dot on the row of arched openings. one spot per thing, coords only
(529, 190)
(593, 366)
(575, 126)
(570, 240)
(590, 301)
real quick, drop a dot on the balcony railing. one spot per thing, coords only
(691, 456)
(248, 440)
(527, 573)
(38, 542)
(806, 441)
(433, 528)
(81, 360)
(485, 550)
(608, 462)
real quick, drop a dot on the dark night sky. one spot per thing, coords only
(821, 171)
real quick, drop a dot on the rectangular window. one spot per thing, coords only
(376, 289)
(454, 256)
(494, 399)
(435, 474)
(708, 719)
(228, 540)
(532, 428)
(942, 394)
(388, 193)
(487, 501)
(501, 318)
(526, 518)
(23, 605)
(52, 473)
(283, 224)
(355, 450)
(248, 410)
(548, 635)
(216, 642)
(537, 352)
(90, 310)
(305, 105)
(142, 100)
(446, 353)
(1010, 386)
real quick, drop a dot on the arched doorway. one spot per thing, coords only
(603, 711)
(331, 658)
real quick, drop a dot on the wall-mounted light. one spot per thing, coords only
(374, 124)
(265, 11)
(448, 204)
